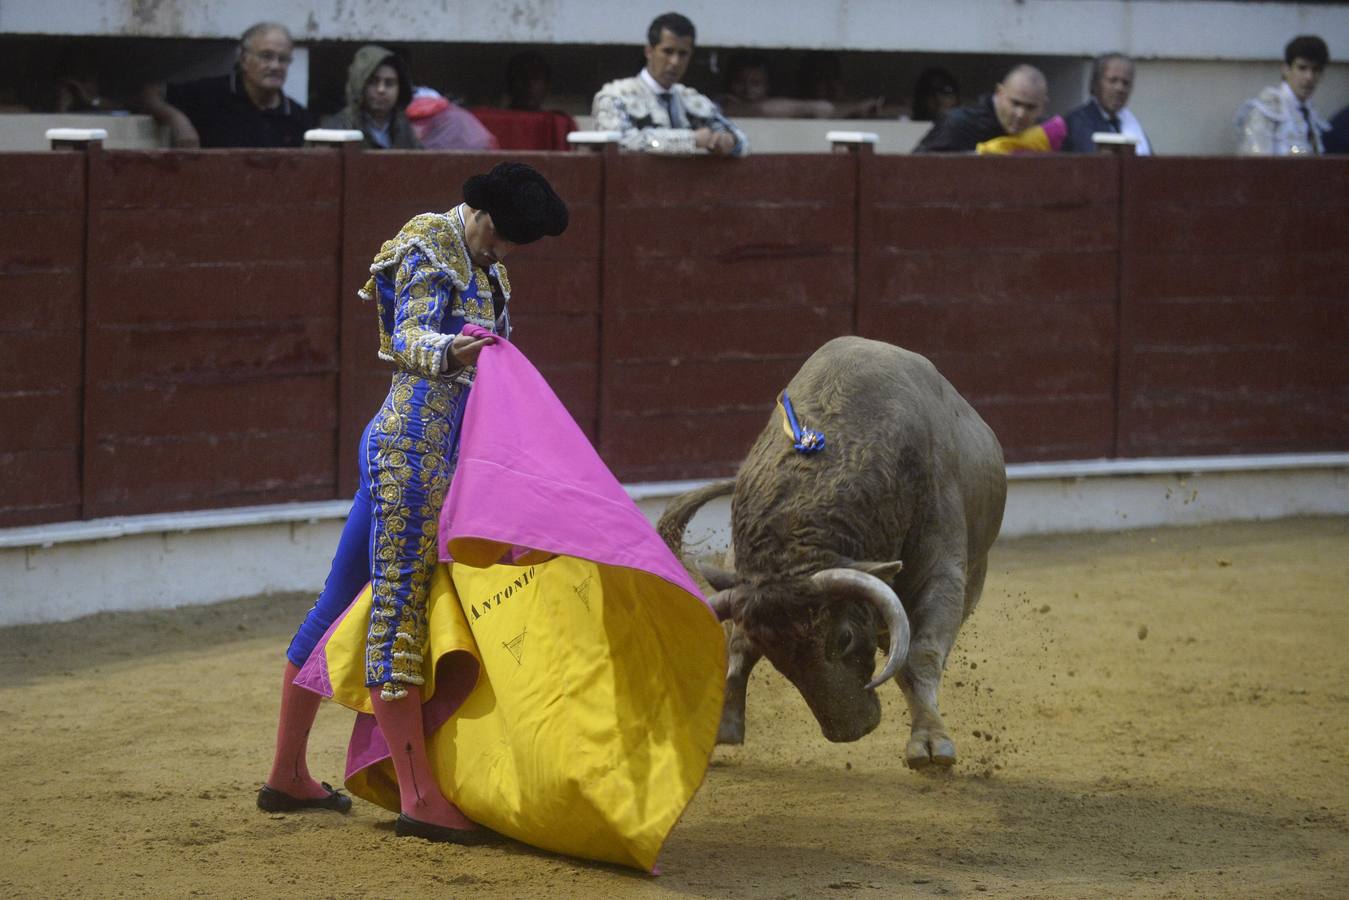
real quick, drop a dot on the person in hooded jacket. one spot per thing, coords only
(379, 89)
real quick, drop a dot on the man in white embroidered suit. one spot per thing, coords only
(1281, 120)
(657, 114)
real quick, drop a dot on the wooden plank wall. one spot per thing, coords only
(554, 283)
(42, 333)
(1005, 276)
(720, 278)
(211, 377)
(181, 329)
(1235, 333)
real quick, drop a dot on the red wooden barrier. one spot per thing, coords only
(1003, 272)
(720, 278)
(212, 335)
(189, 355)
(1236, 329)
(554, 283)
(42, 331)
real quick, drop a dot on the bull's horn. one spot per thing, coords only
(724, 604)
(857, 584)
(719, 578)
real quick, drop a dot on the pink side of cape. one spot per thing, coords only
(528, 477)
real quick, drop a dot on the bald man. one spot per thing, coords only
(1016, 104)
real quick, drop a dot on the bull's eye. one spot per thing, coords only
(844, 641)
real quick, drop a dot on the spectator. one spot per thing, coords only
(442, 124)
(934, 95)
(1337, 140)
(657, 114)
(819, 78)
(245, 108)
(79, 86)
(525, 124)
(1112, 81)
(747, 94)
(1280, 120)
(529, 80)
(379, 90)
(1014, 106)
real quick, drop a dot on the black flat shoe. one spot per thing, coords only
(272, 800)
(406, 826)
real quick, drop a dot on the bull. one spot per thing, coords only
(879, 542)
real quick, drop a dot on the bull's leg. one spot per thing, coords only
(937, 614)
(743, 656)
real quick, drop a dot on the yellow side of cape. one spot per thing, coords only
(595, 710)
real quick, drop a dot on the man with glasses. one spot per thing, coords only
(245, 108)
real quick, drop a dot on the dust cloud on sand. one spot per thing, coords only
(1151, 714)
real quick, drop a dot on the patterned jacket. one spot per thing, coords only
(1272, 124)
(630, 106)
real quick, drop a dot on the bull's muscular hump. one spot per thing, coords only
(910, 474)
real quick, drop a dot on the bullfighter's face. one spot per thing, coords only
(1302, 76)
(669, 58)
(485, 246)
(828, 652)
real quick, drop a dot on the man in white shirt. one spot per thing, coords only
(657, 114)
(1112, 81)
(1280, 121)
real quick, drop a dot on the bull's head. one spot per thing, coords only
(822, 633)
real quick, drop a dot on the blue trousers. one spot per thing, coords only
(350, 572)
(407, 456)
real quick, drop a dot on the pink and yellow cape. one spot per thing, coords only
(574, 675)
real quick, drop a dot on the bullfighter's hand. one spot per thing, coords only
(465, 348)
(718, 143)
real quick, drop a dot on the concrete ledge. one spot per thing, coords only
(66, 570)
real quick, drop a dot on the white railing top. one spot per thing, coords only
(282, 513)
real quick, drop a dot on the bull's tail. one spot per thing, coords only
(681, 510)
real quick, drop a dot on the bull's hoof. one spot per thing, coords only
(731, 732)
(935, 750)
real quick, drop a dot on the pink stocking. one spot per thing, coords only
(419, 795)
(290, 769)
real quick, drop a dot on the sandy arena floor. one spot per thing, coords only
(1153, 714)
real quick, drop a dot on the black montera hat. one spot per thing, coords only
(521, 202)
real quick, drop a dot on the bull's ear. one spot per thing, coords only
(885, 571)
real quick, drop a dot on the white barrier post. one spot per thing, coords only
(598, 141)
(332, 137)
(1115, 144)
(852, 141)
(76, 138)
